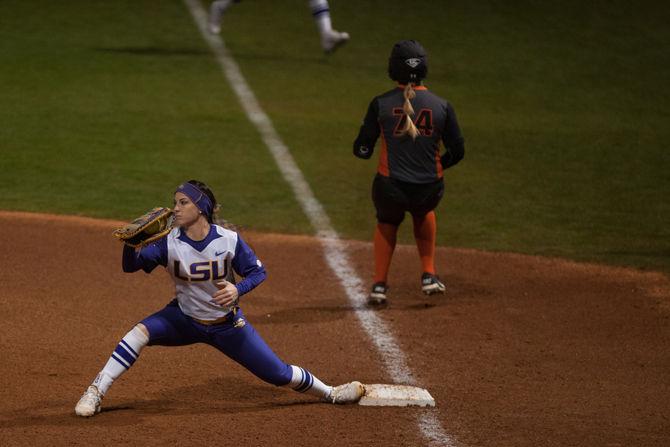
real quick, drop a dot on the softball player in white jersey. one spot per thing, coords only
(331, 39)
(201, 257)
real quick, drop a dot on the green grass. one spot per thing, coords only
(107, 105)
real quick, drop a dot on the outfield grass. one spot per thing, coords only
(107, 105)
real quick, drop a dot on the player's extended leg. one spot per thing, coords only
(240, 341)
(425, 232)
(330, 39)
(168, 327)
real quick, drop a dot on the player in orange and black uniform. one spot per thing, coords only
(411, 122)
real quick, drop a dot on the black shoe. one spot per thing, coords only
(431, 284)
(378, 294)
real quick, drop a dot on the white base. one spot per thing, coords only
(381, 395)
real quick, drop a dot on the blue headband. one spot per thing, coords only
(198, 197)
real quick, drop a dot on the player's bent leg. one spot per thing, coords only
(171, 327)
(124, 356)
(167, 327)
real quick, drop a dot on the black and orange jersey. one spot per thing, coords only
(401, 157)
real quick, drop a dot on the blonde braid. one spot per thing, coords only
(408, 126)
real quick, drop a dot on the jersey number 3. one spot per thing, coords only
(423, 122)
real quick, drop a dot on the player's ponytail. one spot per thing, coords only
(408, 65)
(408, 127)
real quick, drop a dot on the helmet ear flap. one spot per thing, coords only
(408, 62)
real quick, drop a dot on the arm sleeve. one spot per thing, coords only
(453, 140)
(247, 265)
(146, 258)
(364, 144)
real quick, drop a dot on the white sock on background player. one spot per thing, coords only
(123, 357)
(330, 39)
(216, 11)
(321, 14)
(305, 382)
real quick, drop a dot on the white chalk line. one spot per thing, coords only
(335, 251)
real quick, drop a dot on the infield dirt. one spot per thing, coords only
(521, 351)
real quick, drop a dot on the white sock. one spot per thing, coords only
(321, 15)
(305, 382)
(216, 11)
(122, 358)
(220, 6)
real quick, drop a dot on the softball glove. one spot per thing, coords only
(147, 228)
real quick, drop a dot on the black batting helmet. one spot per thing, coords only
(408, 62)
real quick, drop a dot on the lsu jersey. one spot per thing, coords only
(196, 267)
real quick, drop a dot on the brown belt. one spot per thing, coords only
(213, 322)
